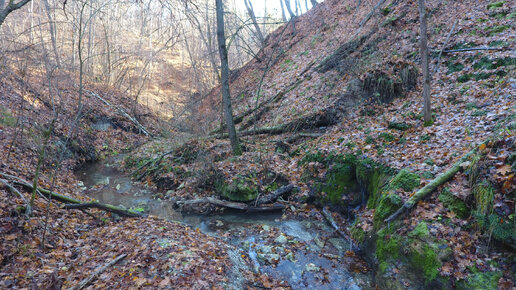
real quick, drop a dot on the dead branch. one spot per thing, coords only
(331, 221)
(231, 204)
(272, 197)
(474, 49)
(97, 272)
(122, 112)
(13, 189)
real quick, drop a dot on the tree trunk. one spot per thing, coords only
(427, 111)
(10, 8)
(289, 9)
(52, 27)
(283, 16)
(250, 10)
(226, 99)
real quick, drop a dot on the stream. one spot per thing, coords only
(304, 253)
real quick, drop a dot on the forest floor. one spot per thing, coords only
(472, 100)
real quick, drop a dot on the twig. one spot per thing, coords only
(97, 272)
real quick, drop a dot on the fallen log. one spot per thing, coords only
(427, 189)
(262, 106)
(331, 221)
(70, 200)
(97, 272)
(231, 204)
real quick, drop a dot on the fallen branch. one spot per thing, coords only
(263, 106)
(97, 272)
(69, 201)
(272, 197)
(122, 112)
(102, 206)
(231, 204)
(331, 221)
(444, 45)
(13, 190)
(427, 189)
(473, 49)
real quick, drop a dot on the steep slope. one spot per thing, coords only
(353, 92)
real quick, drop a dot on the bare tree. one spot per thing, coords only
(250, 11)
(427, 111)
(226, 97)
(283, 16)
(11, 6)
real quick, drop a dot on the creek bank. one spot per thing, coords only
(299, 252)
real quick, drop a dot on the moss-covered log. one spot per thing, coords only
(439, 180)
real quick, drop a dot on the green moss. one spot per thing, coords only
(358, 234)
(420, 231)
(341, 179)
(405, 180)
(454, 67)
(495, 5)
(480, 280)
(6, 118)
(241, 189)
(496, 29)
(488, 63)
(399, 126)
(387, 137)
(388, 247)
(496, 43)
(454, 204)
(426, 260)
(387, 205)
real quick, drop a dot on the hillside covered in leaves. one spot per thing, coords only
(329, 116)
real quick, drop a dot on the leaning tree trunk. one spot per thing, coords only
(226, 100)
(250, 11)
(427, 113)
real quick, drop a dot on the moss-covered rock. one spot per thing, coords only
(388, 246)
(480, 280)
(388, 204)
(349, 180)
(454, 204)
(241, 189)
(405, 180)
(424, 257)
(420, 231)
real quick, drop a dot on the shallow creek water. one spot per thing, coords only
(305, 253)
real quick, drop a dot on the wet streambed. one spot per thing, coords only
(305, 253)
